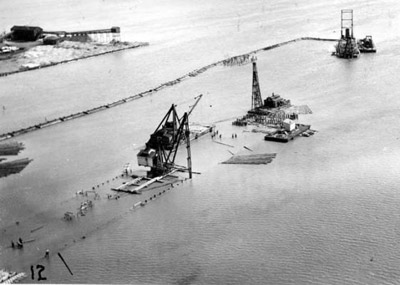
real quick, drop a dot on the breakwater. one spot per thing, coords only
(193, 73)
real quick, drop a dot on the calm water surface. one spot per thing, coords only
(325, 211)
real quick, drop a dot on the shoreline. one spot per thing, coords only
(134, 45)
(12, 134)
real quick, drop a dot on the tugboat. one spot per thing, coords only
(366, 44)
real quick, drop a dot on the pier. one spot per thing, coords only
(101, 35)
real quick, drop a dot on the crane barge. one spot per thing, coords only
(160, 150)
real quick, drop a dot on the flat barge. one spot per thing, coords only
(284, 136)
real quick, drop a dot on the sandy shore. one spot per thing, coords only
(40, 56)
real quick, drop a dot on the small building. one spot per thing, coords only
(115, 29)
(25, 33)
(51, 40)
(288, 125)
(275, 101)
(146, 157)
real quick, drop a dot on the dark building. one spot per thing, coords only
(115, 30)
(25, 33)
(275, 101)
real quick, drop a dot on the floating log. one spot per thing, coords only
(29, 240)
(224, 144)
(36, 229)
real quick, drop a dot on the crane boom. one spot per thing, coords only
(194, 105)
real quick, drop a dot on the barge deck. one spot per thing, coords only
(287, 136)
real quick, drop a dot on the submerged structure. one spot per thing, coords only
(347, 46)
(10, 277)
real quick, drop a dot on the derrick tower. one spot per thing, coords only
(256, 100)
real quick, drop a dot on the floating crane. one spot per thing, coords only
(161, 149)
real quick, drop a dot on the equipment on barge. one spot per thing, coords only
(366, 45)
(287, 134)
(347, 46)
(160, 151)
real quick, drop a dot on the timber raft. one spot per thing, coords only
(193, 73)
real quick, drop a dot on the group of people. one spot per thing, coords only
(216, 134)
(18, 244)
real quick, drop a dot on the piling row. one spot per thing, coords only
(154, 196)
(142, 94)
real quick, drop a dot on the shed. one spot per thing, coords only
(288, 125)
(275, 101)
(115, 29)
(51, 40)
(146, 157)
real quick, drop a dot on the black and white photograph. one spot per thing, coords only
(199, 142)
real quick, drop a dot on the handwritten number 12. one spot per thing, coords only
(40, 268)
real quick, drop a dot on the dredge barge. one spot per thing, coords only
(347, 46)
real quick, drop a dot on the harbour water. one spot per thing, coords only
(325, 211)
